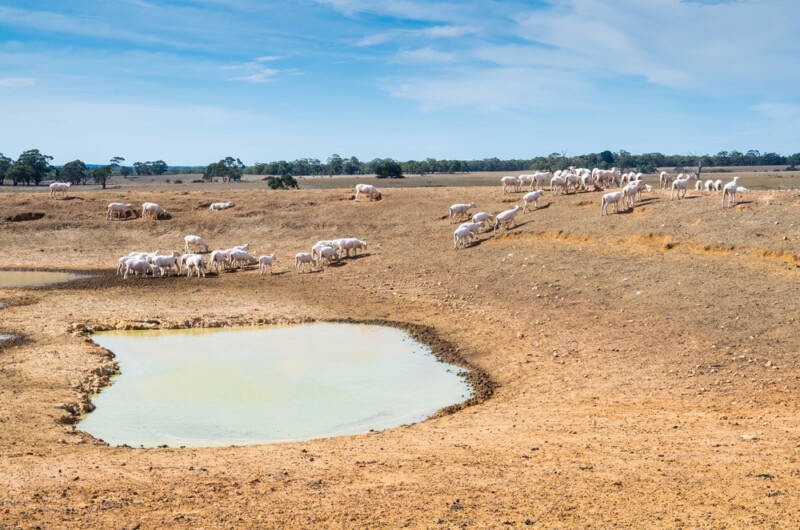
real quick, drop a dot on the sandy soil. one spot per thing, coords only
(645, 363)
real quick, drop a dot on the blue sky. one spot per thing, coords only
(192, 81)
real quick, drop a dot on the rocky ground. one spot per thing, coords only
(644, 365)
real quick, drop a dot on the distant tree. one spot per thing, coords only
(5, 163)
(141, 168)
(116, 162)
(126, 171)
(159, 167)
(19, 174)
(283, 182)
(74, 172)
(793, 159)
(335, 164)
(101, 174)
(229, 169)
(388, 168)
(37, 162)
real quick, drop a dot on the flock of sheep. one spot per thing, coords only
(574, 179)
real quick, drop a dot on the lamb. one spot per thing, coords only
(165, 262)
(606, 177)
(301, 259)
(709, 185)
(458, 210)
(63, 187)
(586, 180)
(349, 244)
(368, 189)
(220, 206)
(482, 217)
(664, 179)
(240, 258)
(317, 249)
(123, 261)
(698, 186)
(195, 241)
(120, 209)
(153, 209)
(462, 236)
(729, 191)
(242, 247)
(510, 182)
(139, 265)
(629, 194)
(505, 219)
(194, 262)
(525, 180)
(571, 180)
(216, 259)
(532, 196)
(540, 178)
(556, 184)
(264, 262)
(610, 198)
(680, 184)
(718, 185)
(327, 253)
(472, 227)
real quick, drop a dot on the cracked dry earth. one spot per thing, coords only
(646, 363)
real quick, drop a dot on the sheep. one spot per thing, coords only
(525, 180)
(264, 262)
(301, 259)
(606, 177)
(586, 180)
(368, 189)
(151, 208)
(457, 210)
(610, 198)
(195, 241)
(664, 178)
(349, 244)
(640, 176)
(629, 194)
(681, 184)
(718, 185)
(139, 265)
(482, 217)
(570, 180)
(698, 186)
(183, 260)
(120, 209)
(505, 219)
(246, 246)
(540, 178)
(216, 259)
(729, 191)
(709, 185)
(63, 187)
(216, 206)
(462, 236)
(556, 184)
(196, 262)
(472, 227)
(316, 249)
(532, 196)
(165, 262)
(240, 258)
(327, 253)
(510, 182)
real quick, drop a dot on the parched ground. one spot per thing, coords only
(646, 363)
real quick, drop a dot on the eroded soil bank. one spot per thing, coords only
(645, 363)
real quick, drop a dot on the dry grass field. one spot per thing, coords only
(644, 364)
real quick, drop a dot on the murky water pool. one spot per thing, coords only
(203, 387)
(34, 278)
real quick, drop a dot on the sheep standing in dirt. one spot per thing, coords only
(118, 209)
(681, 184)
(482, 217)
(665, 179)
(165, 262)
(510, 182)
(729, 191)
(610, 198)
(195, 241)
(216, 260)
(532, 196)
(220, 206)
(718, 185)
(369, 190)
(460, 210)
(196, 263)
(153, 210)
(302, 259)
(63, 187)
(264, 262)
(462, 236)
(556, 184)
(139, 265)
(505, 219)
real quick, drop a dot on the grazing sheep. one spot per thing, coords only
(166, 262)
(606, 177)
(63, 187)
(240, 258)
(718, 185)
(472, 227)
(709, 185)
(482, 217)
(505, 219)
(540, 178)
(532, 196)
(348, 244)
(121, 210)
(139, 265)
(681, 184)
(194, 262)
(629, 194)
(525, 180)
(195, 241)
(246, 246)
(510, 182)
(220, 206)
(610, 198)
(368, 189)
(729, 191)
(264, 262)
(556, 184)
(698, 186)
(586, 180)
(462, 236)
(152, 209)
(300, 261)
(316, 249)
(664, 179)
(327, 253)
(571, 180)
(216, 259)
(458, 210)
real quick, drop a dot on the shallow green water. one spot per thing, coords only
(34, 278)
(203, 387)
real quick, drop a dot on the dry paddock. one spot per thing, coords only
(645, 363)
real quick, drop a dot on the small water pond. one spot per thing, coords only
(219, 387)
(35, 278)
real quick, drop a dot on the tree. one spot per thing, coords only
(37, 162)
(101, 174)
(5, 163)
(141, 168)
(335, 164)
(388, 168)
(126, 171)
(18, 173)
(74, 172)
(228, 169)
(283, 182)
(159, 167)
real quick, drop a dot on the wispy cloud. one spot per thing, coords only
(434, 32)
(17, 82)
(778, 110)
(423, 55)
(256, 72)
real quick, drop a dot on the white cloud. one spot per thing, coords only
(17, 82)
(778, 110)
(434, 32)
(268, 58)
(423, 55)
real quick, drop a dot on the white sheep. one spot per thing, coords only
(216, 260)
(240, 258)
(539, 178)
(664, 178)
(718, 185)
(316, 249)
(482, 217)
(194, 262)
(264, 262)
(301, 259)
(165, 262)
(246, 246)
(505, 219)
(610, 198)
(525, 180)
(586, 180)
(368, 189)
(120, 209)
(63, 187)
(729, 191)
(681, 184)
(472, 227)
(571, 180)
(458, 210)
(139, 265)
(709, 185)
(195, 241)
(216, 206)
(698, 186)
(629, 194)
(510, 182)
(532, 196)
(556, 184)
(327, 253)
(152, 209)
(462, 236)
(348, 244)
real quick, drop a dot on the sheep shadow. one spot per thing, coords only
(546, 206)
(357, 256)
(743, 202)
(71, 199)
